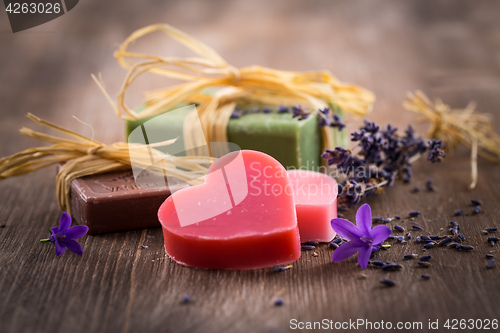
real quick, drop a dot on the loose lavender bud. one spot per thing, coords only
(377, 219)
(186, 299)
(489, 256)
(388, 282)
(476, 202)
(429, 245)
(484, 232)
(408, 236)
(477, 210)
(404, 242)
(387, 220)
(308, 247)
(279, 301)
(491, 229)
(400, 238)
(492, 243)
(425, 237)
(445, 241)
(399, 228)
(415, 189)
(434, 237)
(418, 239)
(459, 212)
(391, 237)
(397, 217)
(424, 264)
(436, 154)
(283, 109)
(425, 276)
(410, 256)
(236, 114)
(461, 236)
(466, 247)
(416, 227)
(425, 257)
(491, 264)
(337, 240)
(430, 185)
(414, 213)
(266, 110)
(377, 263)
(391, 267)
(333, 245)
(493, 239)
(313, 243)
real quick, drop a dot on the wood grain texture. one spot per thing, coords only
(449, 49)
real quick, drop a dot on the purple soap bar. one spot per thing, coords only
(113, 201)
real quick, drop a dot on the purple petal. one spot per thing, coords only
(64, 222)
(74, 246)
(345, 229)
(76, 231)
(346, 250)
(364, 256)
(364, 219)
(380, 234)
(55, 230)
(59, 248)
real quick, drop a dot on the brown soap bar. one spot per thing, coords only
(114, 202)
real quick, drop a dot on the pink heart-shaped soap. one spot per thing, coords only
(243, 217)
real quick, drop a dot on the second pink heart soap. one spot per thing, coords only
(243, 217)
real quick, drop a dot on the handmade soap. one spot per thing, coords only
(113, 202)
(316, 204)
(242, 217)
(293, 142)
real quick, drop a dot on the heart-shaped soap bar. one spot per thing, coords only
(243, 217)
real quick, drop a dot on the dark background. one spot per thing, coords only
(449, 49)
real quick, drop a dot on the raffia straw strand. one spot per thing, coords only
(315, 90)
(458, 126)
(84, 156)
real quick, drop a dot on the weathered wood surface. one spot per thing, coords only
(448, 49)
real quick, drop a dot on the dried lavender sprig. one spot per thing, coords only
(382, 157)
(388, 282)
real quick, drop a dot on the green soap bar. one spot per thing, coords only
(294, 143)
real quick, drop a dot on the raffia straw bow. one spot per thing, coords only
(458, 126)
(81, 156)
(254, 84)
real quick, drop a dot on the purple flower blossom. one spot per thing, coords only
(436, 154)
(299, 111)
(64, 237)
(236, 114)
(324, 117)
(328, 118)
(362, 237)
(283, 109)
(337, 122)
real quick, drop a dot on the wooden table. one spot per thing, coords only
(449, 49)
